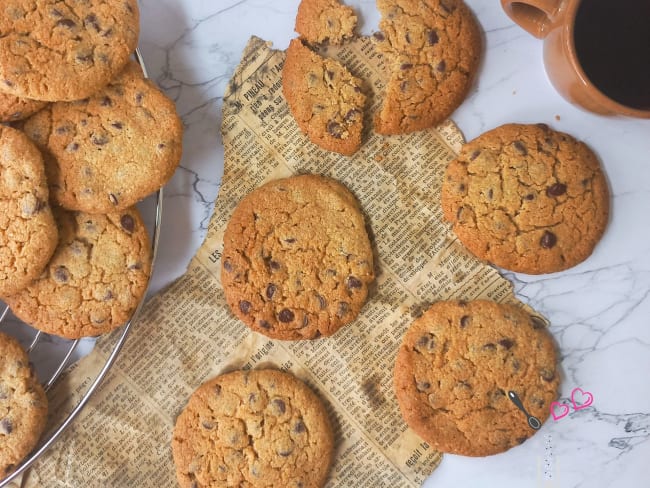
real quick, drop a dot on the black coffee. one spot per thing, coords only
(612, 40)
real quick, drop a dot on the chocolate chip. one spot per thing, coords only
(352, 115)
(426, 343)
(138, 97)
(286, 315)
(343, 309)
(112, 198)
(474, 155)
(161, 146)
(442, 66)
(490, 193)
(521, 440)
(285, 452)
(353, 282)
(56, 13)
(127, 223)
(69, 23)
(547, 374)
(321, 302)
(270, 291)
(107, 33)
(99, 139)
(537, 323)
(274, 265)
(379, 36)
(6, 427)
(108, 295)
(106, 102)
(521, 148)
(305, 321)
(465, 320)
(422, 385)
(407, 38)
(548, 240)
(61, 274)
(72, 147)
(447, 5)
(405, 66)
(227, 265)
(461, 188)
(135, 266)
(207, 425)
(489, 347)
(515, 365)
(245, 306)
(84, 58)
(556, 190)
(290, 240)
(92, 21)
(264, 324)
(404, 85)
(299, 427)
(507, 343)
(279, 406)
(530, 196)
(432, 37)
(217, 390)
(330, 75)
(61, 130)
(117, 125)
(335, 129)
(8, 82)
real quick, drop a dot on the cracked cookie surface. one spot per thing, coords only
(455, 367)
(28, 233)
(106, 153)
(297, 260)
(326, 101)
(433, 49)
(261, 428)
(23, 405)
(14, 108)
(320, 21)
(56, 50)
(527, 198)
(94, 281)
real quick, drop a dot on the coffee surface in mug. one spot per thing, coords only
(612, 42)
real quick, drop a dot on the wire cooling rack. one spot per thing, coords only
(40, 339)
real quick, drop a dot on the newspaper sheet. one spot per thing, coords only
(186, 334)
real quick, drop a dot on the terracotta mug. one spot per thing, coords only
(554, 21)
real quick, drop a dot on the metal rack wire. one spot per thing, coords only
(39, 337)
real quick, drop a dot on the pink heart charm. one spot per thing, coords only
(560, 406)
(584, 398)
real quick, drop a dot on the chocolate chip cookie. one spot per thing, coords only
(297, 260)
(54, 50)
(320, 21)
(324, 98)
(94, 281)
(23, 406)
(527, 198)
(28, 233)
(433, 49)
(107, 152)
(14, 108)
(456, 369)
(260, 428)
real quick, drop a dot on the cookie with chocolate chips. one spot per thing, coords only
(14, 108)
(297, 260)
(23, 406)
(52, 50)
(433, 49)
(96, 278)
(320, 21)
(527, 198)
(28, 233)
(325, 99)
(259, 428)
(455, 370)
(105, 153)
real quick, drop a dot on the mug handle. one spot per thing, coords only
(532, 15)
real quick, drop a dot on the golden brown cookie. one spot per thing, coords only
(324, 98)
(14, 108)
(54, 50)
(108, 152)
(527, 198)
(320, 21)
(261, 428)
(433, 49)
(456, 368)
(28, 233)
(23, 406)
(297, 260)
(96, 278)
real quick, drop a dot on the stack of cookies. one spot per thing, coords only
(92, 137)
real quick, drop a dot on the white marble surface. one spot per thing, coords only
(599, 310)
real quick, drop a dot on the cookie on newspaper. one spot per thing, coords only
(53, 50)
(320, 21)
(28, 233)
(527, 198)
(261, 428)
(297, 260)
(23, 406)
(324, 98)
(456, 368)
(96, 278)
(107, 152)
(433, 49)
(14, 108)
